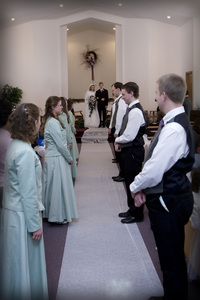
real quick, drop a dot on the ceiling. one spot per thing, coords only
(181, 11)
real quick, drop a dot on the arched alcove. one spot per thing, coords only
(97, 35)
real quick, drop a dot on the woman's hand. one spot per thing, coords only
(37, 235)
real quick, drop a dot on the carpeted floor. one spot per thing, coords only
(102, 257)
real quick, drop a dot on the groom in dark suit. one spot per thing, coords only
(102, 99)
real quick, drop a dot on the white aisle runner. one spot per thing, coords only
(103, 258)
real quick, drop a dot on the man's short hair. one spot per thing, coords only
(174, 87)
(131, 87)
(117, 85)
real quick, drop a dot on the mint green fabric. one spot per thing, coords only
(69, 136)
(58, 192)
(23, 266)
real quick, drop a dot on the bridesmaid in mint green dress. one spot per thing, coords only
(58, 191)
(64, 118)
(73, 129)
(22, 264)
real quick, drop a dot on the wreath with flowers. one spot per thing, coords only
(90, 58)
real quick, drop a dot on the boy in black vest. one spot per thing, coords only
(165, 188)
(131, 144)
(118, 112)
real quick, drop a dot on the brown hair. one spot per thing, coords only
(51, 101)
(131, 87)
(64, 105)
(5, 111)
(117, 85)
(22, 122)
(69, 104)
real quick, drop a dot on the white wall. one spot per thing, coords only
(190, 45)
(187, 46)
(32, 57)
(104, 70)
(151, 50)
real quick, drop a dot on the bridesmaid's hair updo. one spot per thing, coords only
(22, 122)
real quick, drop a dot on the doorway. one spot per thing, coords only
(189, 82)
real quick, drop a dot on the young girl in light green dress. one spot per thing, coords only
(22, 264)
(73, 129)
(58, 191)
(65, 119)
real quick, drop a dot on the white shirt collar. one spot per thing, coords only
(134, 102)
(172, 113)
(118, 98)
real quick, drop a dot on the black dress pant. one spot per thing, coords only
(117, 154)
(132, 159)
(168, 229)
(102, 111)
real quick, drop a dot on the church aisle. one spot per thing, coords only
(102, 257)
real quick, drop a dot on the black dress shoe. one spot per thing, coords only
(131, 219)
(124, 214)
(156, 298)
(114, 160)
(119, 179)
(115, 177)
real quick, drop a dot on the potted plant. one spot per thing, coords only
(80, 123)
(13, 94)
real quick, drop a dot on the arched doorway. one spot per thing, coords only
(98, 35)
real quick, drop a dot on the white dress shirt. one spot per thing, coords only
(172, 146)
(135, 121)
(113, 112)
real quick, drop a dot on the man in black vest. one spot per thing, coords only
(165, 188)
(117, 114)
(131, 144)
(102, 99)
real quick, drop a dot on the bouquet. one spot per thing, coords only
(91, 104)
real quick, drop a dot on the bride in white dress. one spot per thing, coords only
(91, 114)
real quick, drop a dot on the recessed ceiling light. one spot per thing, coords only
(61, 5)
(168, 17)
(114, 28)
(120, 4)
(12, 19)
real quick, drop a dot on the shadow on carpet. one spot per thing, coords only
(54, 241)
